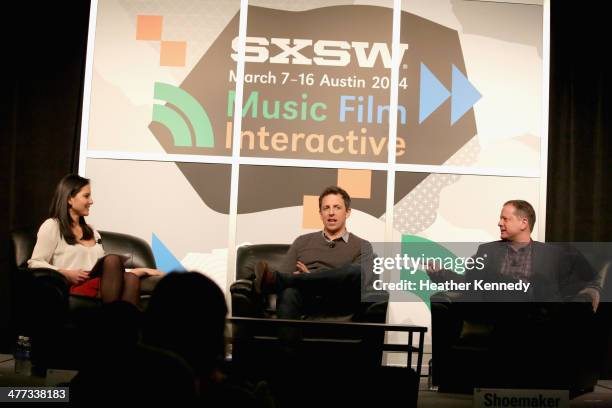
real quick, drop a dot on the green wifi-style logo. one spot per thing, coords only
(192, 110)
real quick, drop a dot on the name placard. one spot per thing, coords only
(520, 398)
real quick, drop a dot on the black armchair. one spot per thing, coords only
(246, 303)
(516, 345)
(43, 306)
(329, 359)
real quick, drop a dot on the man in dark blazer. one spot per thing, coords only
(553, 272)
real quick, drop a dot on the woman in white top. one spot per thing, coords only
(67, 244)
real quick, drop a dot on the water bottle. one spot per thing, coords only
(18, 351)
(23, 356)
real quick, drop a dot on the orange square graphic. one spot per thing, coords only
(149, 27)
(310, 215)
(358, 183)
(173, 53)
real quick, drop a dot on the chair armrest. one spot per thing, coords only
(48, 274)
(42, 297)
(376, 312)
(598, 282)
(242, 286)
(51, 281)
(46, 277)
(245, 301)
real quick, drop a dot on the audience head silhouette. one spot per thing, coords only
(186, 315)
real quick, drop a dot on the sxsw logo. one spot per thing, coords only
(328, 52)
(182, 116)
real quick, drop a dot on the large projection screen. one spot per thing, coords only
(431, 113)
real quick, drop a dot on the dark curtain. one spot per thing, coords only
(40, 114)
(579, 205)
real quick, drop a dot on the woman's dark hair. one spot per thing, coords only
(69, 186)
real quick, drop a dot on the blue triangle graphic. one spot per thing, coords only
(433, 93)
(464, 95)
(163, 257)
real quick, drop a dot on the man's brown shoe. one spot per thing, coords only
(265, 279)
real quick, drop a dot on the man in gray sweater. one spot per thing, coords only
(324, 264)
